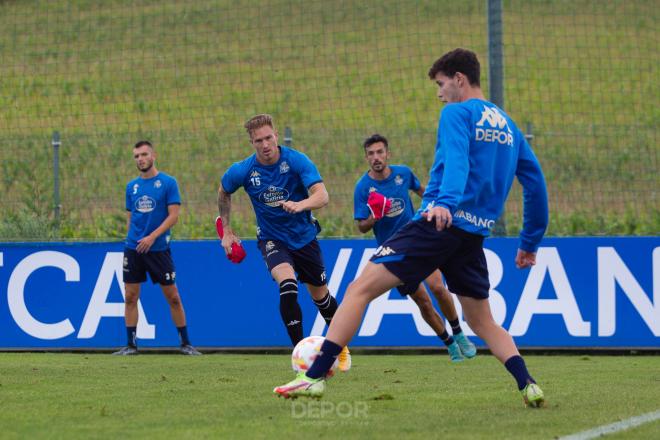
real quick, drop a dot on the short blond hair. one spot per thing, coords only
(258, 121)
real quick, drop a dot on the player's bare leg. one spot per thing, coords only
(176, 306)
(430, 315)
(446, 303)
(441, 293)
(433, 319)
(282, 272)
(480, 319)
(179, 317)
(317, 292)
(374, 280)
(328, 307)
(131, 296)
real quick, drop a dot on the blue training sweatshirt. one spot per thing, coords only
(479, 149)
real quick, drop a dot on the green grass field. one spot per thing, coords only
(58, 395)
(188, 74)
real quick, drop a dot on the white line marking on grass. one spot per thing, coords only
(614, 427)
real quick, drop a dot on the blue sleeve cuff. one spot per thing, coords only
(444, 205)
(314, 183)
(527, 246)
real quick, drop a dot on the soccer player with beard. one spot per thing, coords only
(479, 151)
(284, 186)
(386, 184)
(152, 205)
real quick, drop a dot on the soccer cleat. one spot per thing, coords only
(533, 396)
(301, 386)
(467, 347)
(344, 360)
(126, 351)
(189, 350)
(455, 352)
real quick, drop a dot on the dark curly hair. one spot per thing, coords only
(458, 60)
(375, 138)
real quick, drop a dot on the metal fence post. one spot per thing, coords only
(529, 134)
(288, 136)
(56, 175)
(496, 74)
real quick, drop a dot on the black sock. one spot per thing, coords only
(323, 363)
(131, 333)
(518, 369)
(448, 340)
(290, 310)
(455, 326)
(183, 335)
(327, 307)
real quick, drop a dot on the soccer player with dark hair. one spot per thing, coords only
(479, 151)
(284, 186)
(152, 205)
(382, 203)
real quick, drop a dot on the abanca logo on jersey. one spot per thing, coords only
(273, 195)
(477, 221)
(145, 204)
(497, 133)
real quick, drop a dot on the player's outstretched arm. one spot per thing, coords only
(318, 198)
(535, 199)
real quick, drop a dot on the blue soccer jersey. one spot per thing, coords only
(478, 152)
(268, 186)
(397, 188)
(147, 200)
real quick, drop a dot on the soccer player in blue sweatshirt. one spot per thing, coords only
(152, 205)
(479, 151)
(284, 186)
(390, 185)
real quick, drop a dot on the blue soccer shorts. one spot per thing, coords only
(418, 249)
(307, 261)
(159, 265)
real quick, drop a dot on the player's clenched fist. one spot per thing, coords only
(292, 207)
